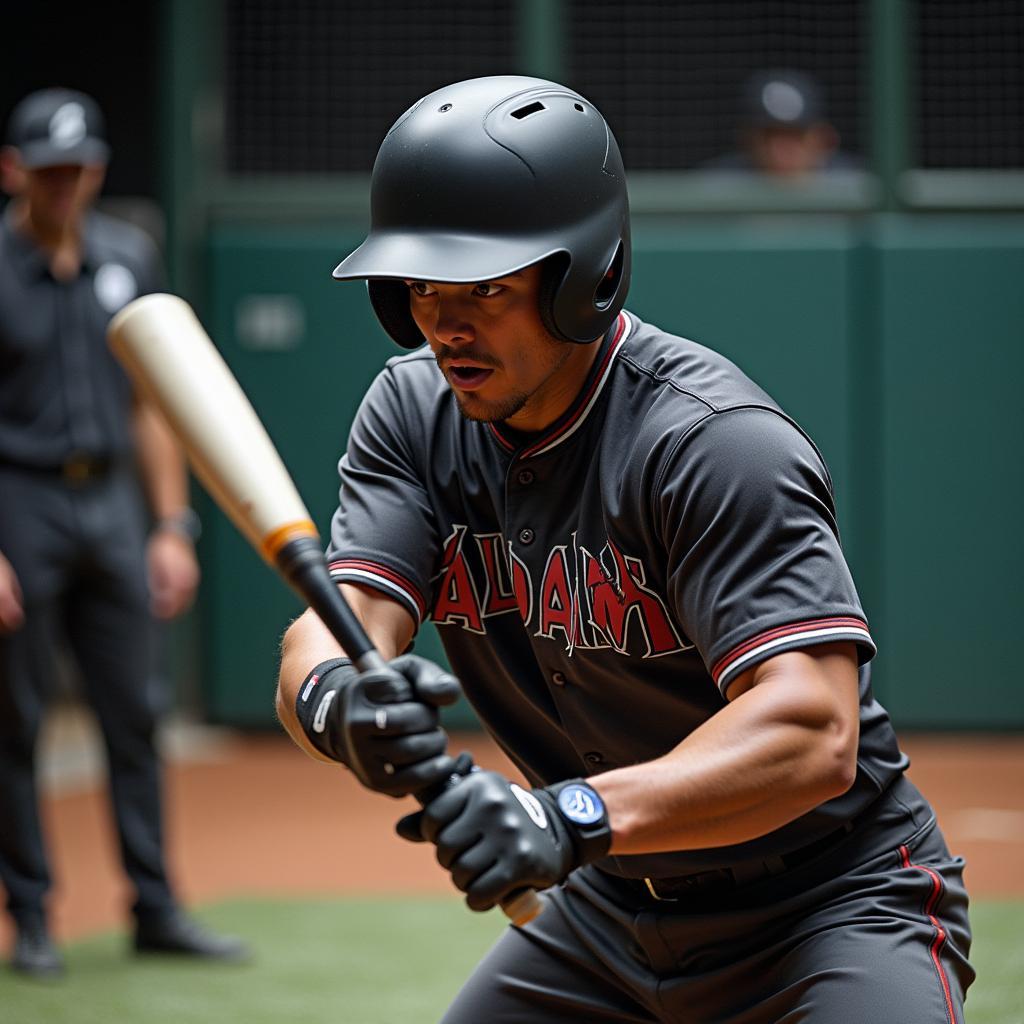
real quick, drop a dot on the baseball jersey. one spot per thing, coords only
(597, 586)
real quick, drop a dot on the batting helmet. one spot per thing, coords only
(487, 176)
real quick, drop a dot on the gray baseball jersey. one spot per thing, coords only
(599, 585)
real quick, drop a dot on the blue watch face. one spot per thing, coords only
(580, 804)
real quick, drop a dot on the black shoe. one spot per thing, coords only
(35, 954)
(175, 932)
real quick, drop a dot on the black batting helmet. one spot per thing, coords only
(487, 176)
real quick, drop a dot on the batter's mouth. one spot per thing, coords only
(468, 378)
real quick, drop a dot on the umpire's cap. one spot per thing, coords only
(487, 176)
(58, 126)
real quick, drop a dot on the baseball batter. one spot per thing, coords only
(631, 555)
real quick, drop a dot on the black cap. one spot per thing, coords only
(58, 126)
(782, 99)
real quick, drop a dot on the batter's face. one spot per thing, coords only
(494, 351)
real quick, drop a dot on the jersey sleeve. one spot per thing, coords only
(383, 533)
(755, 563)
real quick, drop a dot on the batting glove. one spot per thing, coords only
(496, 838)
(382, 724)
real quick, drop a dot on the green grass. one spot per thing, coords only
(997, 997)
(381, 961)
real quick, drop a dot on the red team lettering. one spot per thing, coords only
(584, 601)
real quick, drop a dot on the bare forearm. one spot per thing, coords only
(777, 751)
(161, 463)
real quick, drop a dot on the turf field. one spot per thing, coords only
(365, 962)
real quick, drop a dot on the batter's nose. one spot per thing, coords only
(451, 327)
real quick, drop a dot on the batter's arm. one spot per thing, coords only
(785, 743)
(307, 643)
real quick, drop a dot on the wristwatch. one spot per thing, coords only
(581, 805)
(185, 522)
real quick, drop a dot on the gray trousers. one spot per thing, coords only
(79, 553)
(874, 929)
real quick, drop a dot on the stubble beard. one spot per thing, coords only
(504, 409)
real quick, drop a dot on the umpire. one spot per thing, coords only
(80, 562)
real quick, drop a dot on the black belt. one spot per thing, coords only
(720, 879)
(77, 468)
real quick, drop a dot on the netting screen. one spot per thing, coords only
(669, 76)
(970, 83)
(312, 86)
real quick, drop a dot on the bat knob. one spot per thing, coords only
(522, 907)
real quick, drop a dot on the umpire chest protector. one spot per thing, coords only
(485, 177)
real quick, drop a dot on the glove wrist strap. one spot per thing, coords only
(585, 817)
(318, 692)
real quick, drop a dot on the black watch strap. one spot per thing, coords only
(582, 807)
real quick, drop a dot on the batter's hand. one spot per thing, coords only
(496, 838)
(384, 724)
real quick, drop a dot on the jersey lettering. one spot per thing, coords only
(457, 600)
(556, 604)
(620, 598)
(500, 594)
(606, 604)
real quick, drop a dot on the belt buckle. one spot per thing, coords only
(77, 468)
(654, 892)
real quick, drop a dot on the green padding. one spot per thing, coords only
(951, 310)
(895, 341)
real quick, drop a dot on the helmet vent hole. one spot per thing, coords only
(579, 107)
(531, 108)
(444, 108)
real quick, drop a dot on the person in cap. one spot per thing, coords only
(631, 555)
(83, 564)
(784, 130)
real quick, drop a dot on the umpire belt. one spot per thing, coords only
(670, 890)
(77, 469)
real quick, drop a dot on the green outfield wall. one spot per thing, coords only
(897, 340)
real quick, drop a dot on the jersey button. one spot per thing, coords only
(558, 678)
(526, 536)
(526, 477)
(594, 757)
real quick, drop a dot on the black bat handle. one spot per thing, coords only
(302, 563)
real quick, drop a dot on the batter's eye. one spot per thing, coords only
(419, 287)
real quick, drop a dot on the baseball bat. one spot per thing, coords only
(172, 361)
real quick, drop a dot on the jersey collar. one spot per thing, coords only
(571, 420)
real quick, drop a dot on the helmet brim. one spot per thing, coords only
(451, 257)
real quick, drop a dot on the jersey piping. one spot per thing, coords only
(381, 577)
(789, 637)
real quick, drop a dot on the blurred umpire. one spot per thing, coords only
(82, 563)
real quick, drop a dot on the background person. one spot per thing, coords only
(79, 561)
(784, 130)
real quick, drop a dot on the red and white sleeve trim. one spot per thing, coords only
(790, 637)
(357, 570)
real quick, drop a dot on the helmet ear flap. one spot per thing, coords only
(553, 273)
(390, 300)
(608, 287)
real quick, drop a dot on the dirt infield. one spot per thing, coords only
(251, 815)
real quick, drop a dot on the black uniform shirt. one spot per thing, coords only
(598, 586)
(61, 390)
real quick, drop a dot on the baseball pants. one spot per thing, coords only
(874, 929)
(78, 551)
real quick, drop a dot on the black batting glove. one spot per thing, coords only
(383, 724)
(496, 838)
